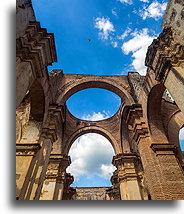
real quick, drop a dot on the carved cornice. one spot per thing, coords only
(56, 168)
(120, 159)
(164, 149)
(27, 149)
(163, 53)
(37, 47)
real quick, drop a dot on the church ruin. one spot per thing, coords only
(144, 132)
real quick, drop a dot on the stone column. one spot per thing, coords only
(37, 169)
(55, 177)
(25, 161)
(127, 176)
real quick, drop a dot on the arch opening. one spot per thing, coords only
(91, 155)
(93, 104)
(79, 85)
(181, 139)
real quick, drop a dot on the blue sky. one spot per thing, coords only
(121, 31)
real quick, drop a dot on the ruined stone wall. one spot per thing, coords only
(174, 17)
(24, 14)
(91, 193)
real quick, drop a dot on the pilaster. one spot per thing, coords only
(55, 177)
(162, 171)
(127, 176)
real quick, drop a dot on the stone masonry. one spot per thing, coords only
(144, 132)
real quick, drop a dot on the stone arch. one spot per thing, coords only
(85, 82)
(94, 129)
(155, 122)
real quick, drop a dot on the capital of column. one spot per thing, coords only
(57, 166)
(125, 164)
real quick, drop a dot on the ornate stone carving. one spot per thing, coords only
(36, 46)
(163, 53)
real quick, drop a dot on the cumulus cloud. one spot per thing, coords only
(104, 26)
(96, 116)
(138, 47)
(91, 154)
(154, 10)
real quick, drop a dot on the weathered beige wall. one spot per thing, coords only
(47, 190)
(174, 82)
(174, 18)
(22, 166)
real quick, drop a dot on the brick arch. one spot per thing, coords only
(154, 114)
(92, 129)
(74, 83)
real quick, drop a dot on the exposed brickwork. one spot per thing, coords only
(143, 133)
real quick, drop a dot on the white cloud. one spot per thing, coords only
(126, 1)
(114, 12)
(96, 116)
(138, 47)
(91, 154)
(105, 27)
(114, 44)
(146, 1)
(181, 134)
(125, 33)
(107, 170)
(154, 10)
(131, 2)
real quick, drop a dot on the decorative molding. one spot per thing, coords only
(164, 149)
(164, 52)
(134, 118)
(37, 47)
(27, 149)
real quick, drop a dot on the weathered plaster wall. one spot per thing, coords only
(24, 14)
(174, 17)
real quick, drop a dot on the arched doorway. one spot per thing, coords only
(91, 157)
